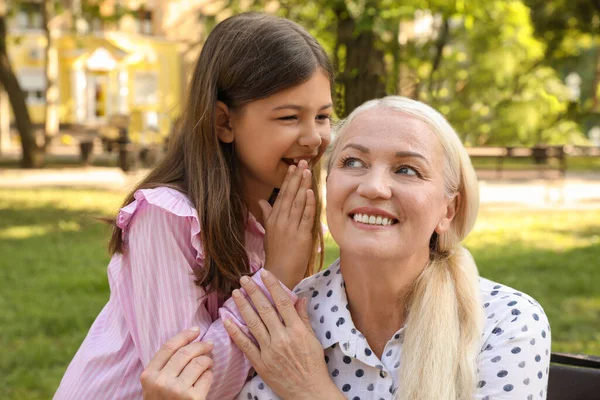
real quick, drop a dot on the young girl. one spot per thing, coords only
(257, 114)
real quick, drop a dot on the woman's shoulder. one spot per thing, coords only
(319, 281)
(500, 297)
(166, 199)
(511, 315)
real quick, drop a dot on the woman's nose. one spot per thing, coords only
(375, 185)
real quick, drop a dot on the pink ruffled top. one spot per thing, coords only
(153, 297)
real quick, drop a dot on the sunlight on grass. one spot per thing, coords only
(24, 232)
(53, 276)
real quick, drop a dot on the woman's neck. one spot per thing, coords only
(378, 292)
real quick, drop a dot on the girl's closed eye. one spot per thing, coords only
(288, 118)
(324, 118)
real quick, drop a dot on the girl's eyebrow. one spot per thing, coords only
(299, 107)
(399, 154)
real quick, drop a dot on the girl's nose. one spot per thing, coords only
(310, 137)
(375, 185)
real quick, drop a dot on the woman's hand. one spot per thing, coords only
(288, 226)
(179, 370)
(290, 358)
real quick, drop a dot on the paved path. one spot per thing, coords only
(574, 191)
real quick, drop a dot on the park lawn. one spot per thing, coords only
(53, 276)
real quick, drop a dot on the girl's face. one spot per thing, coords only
(272, 133)
(385, 190)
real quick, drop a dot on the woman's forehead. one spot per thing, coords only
(388, 127)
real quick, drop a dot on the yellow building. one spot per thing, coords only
(105, 72)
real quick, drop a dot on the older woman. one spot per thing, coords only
(403, 313)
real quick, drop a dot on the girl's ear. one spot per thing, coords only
(223, 123)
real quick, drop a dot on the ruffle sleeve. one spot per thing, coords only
(171, 201)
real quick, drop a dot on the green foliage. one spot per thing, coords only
(486, 65)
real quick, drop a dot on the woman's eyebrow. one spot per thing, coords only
(399, 154)
(404, 154)
(299, 107)
(358, 147)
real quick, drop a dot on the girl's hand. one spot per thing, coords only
(288, 226)
(179, 370)
(290, 358)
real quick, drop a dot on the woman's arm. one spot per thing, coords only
(290, 358)
(180, 369)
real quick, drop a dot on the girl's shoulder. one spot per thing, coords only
(167, 199)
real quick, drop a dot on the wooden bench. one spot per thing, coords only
(574, 377)
(542, 156)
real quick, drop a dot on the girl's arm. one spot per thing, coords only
(160, 298)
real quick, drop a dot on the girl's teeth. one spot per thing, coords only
(372, 220)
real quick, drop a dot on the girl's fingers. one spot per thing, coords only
(265, 208)
(243, 342)
(167, 350)
(310, 211)
(183, 356)
(284, 185)
(286, 197)
(195, 368)
(266, 311)
(253, 321)
(282, 299)
(297, 208)
(200, 389)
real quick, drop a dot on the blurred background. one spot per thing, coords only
(90, 91)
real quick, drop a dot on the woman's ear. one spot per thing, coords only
(451, 208)
(223, 123)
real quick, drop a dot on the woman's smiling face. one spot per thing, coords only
(385, 189)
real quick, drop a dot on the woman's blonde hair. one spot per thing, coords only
(444, 323)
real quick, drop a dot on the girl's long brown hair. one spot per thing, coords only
(245, 58)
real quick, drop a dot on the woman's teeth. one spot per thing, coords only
(372, 219)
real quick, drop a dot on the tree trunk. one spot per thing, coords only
(363, 74)
(31, 156)
(51, 64)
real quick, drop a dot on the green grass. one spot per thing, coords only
(53, 276)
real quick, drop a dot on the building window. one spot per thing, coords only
(144, 22)
(29, 15)
(35, 96)
(33, 84)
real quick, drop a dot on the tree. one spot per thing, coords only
(572, 31)
(31, 153)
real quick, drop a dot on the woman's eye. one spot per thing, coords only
(324, 117)
(406, 171)
(352, 163)
(288, 118)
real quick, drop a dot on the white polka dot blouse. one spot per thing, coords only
(513, 362)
